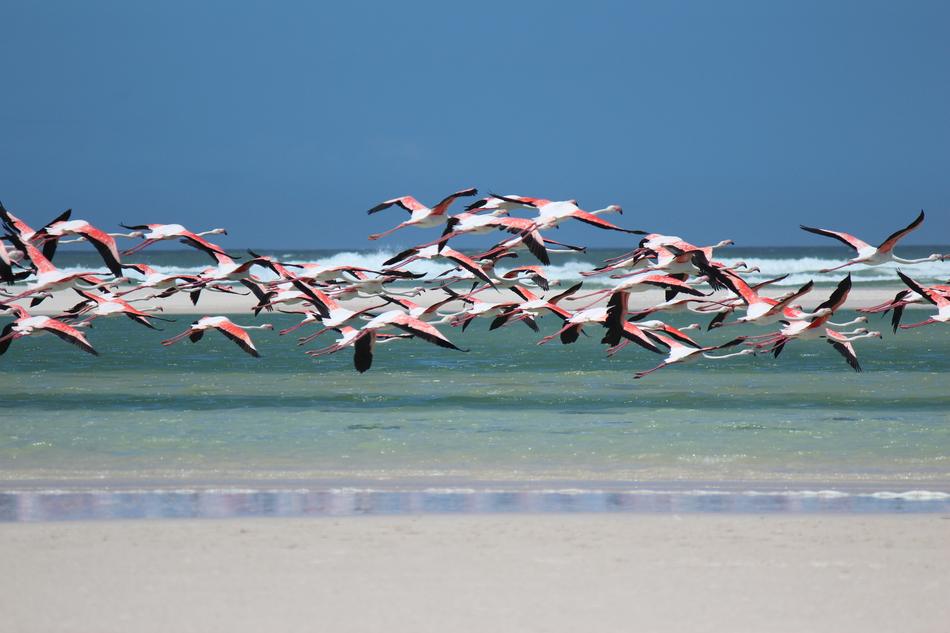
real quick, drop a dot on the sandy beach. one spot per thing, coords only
(481, 573)
(224, 303)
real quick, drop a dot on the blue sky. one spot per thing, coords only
(285, 121)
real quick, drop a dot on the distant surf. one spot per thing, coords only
(800, 264)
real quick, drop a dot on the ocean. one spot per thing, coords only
(206, 430)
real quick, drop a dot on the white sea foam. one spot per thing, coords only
(799, 270)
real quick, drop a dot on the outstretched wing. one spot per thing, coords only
(844, 238)
(896, 236)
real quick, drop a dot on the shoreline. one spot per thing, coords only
(111, 503)
(476, 573)
(223, 303)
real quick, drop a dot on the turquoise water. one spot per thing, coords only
(508, 412)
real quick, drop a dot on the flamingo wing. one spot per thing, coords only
(423, 330)
(363, 350)
(929, 294)
(103, 243)
(468, 264)
(407, 203)
(196, 241)
(838, 297)
(239, 336)
(69, 334)
(896, 236)
(843, 347)
(636, 335)
(844, 238)
(590, 218)
(446, 202)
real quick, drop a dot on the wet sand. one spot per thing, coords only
(481, 573)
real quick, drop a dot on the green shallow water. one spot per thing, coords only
(509, 410)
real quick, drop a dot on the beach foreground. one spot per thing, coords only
(481, 573)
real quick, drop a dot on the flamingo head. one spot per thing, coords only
(614, 208)
(724, 243)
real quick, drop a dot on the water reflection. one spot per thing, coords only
(24, 506)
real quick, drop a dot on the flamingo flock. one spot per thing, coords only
(692, 279)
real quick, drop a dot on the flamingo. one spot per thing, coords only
(931, 295)
(472, 224)
(102, 241)
(612, 316)
(536, 242)
(26, 233)
(871, 256)
(363, 343)
(551, 213)
(26, 325)
(842, 344)
(642, 283)
(531, 307)
(901, 300)
(157, 232)
(811, 328)
(419, 214)
(410, 255)
(650, 326)
(168, 284)
(49, 278)
(364, 339)
(537, 275)
(7, 263)
(764, 310)
(101, 306)
(330, 313)
(224, 325)
(682, 353)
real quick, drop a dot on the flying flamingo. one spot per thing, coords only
(26, 233)
(551, 213)
(48, 277)
(410, 255)
(102, 241)
(870, 256)
(95, 306)
(930, 295)
(901, 300)
(419, 214)
(842, 344)
(612, 316)
(642, 283)
(811, 328)
(364, 339)
(157, 232)
(764, 310)
(363, 342)
(224, 325)
(681, 353)
(26, 325)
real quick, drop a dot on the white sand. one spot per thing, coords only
(572, 573)
(222, 303)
